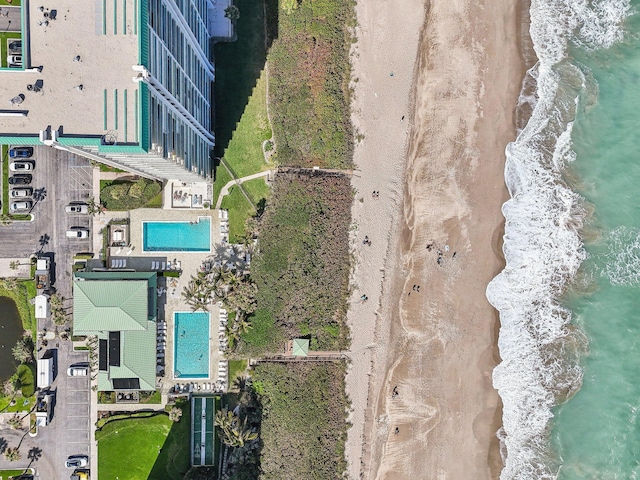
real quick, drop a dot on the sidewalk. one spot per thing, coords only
(239, 181)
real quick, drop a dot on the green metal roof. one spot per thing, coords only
(137, 357)
(107, 305)
(300, 347)
(117, 301)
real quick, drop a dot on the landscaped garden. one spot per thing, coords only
(129, 195)
(152, 447)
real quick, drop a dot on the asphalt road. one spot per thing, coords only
(60, 178)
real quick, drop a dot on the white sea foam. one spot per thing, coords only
(542, 247)
(621, 264)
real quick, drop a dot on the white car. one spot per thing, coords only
(21, 192)
(77, 461)
(17, 206)
(77, 208)
(14, 60)
(20, 166)
(78, 371)
(78, 232)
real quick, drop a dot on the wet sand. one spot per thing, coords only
(453, 70)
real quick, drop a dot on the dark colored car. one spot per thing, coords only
(21, 152)
(20, 179)
(16, 45)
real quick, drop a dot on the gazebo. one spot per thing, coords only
(300, 347)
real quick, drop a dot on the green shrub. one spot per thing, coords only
(25, 373)
(304, 425)
(302, 267)
(129, 195)
(309, 80)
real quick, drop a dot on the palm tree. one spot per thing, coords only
(11, 387)
(224, 419)
(15, 422)
(233, 432)
(23, 350)
(12, 454)
(175, 414)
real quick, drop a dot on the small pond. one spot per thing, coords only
(10, 332)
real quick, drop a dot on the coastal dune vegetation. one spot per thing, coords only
(302, 262)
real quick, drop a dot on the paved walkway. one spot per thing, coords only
(239, 181)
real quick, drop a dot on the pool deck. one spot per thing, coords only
(190, 263)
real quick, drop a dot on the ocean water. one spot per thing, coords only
(568, 297)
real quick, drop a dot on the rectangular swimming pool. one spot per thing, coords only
(191, 345)
(177, 236)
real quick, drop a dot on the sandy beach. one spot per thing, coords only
(435, 91)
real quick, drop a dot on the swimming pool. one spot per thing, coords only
(177, 236)
(191, 344)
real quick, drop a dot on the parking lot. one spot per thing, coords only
(59, 178)
(68, 432)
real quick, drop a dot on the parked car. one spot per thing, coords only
(80, 475)
(77, 208)
(80, 370)
(75, 461)
(78, 232)
(14, 60)
(21, 192)
(21, 152)
(21, 166)
(18, 206)
(15, 45)
(20, 179)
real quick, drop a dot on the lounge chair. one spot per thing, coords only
(163, 265)
(113, 263)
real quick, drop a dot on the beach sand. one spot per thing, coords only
(453, 71)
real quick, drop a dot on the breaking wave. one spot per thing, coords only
(543, 249)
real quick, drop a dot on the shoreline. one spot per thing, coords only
(438, 346)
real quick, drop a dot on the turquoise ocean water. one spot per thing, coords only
(569, 296)
(597, 432)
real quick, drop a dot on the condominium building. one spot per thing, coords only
(123, 82)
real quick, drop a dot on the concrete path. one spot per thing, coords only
(239, 181)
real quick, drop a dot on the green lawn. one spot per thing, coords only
(242, 124)
(3, 41)
(244, 157)
(244, 154)
(257, 189)
(5, 180)
(238, 67)
(5, 474)
(237, 368)
(222, 178)
(151, 448)
(22, 404)
(239, 211)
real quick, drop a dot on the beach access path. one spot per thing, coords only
(435, 94)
